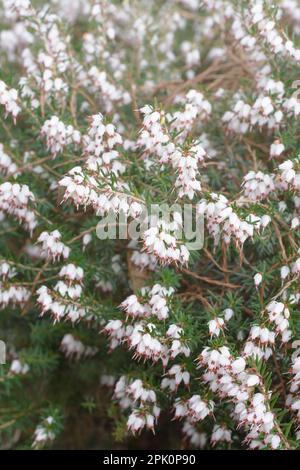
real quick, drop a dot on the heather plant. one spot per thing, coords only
(113, 318)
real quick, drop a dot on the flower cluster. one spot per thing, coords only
(160, 240)
(259, 343)
(58, 135)
(230, 379)
(292, 400)
(9, 99)
(99, 146)
(220, 434)
(52, 247)
(11, 293)
(7, 166)
(84, 190)
(267, 30)
(144, 337)
(75, 349)
(154, 138)
(186, 163)
(222, 220)
(142, 402)
(143, 260)
(278, 315)
(174, 377)
(43, 433)
(257, 186)
(288, 176)
(194, 408)
(243, 116)
(126, 129)
(196, 108)
(154, 302)
(18, 368)
(62, 301)
(15, 200)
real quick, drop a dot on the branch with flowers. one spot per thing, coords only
(111, 108)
